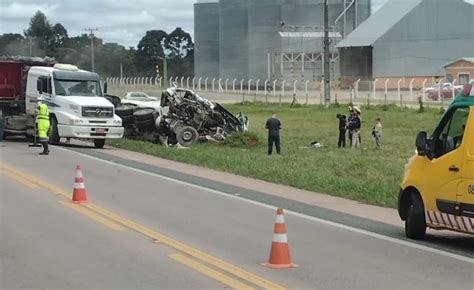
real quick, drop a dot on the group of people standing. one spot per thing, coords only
(352, 125)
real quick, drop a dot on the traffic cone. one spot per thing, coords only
(79, 195)
(280, 251)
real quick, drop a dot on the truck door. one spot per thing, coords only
(443, 176)
(466, 192)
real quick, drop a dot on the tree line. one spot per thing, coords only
(44, 39)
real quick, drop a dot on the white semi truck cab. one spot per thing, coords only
(76, 104)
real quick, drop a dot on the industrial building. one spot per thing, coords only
(270, 39)
(411, 39)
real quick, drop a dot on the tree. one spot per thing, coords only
(59, 36)
(40, 30)
(12, 44)
(180, 49)
(150, 50)
(178, 43)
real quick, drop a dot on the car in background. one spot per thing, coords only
(141, 100)
(446, 93)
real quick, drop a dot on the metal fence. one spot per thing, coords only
(400, 91)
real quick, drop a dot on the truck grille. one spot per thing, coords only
(97, 112)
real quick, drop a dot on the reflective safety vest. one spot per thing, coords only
(43, 112)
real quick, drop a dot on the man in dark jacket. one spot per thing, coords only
(342, 130)
(273, 125)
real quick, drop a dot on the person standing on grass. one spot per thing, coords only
(354, 126)
(349, 120)
(342, 130)
(273, 125)
(377, 132)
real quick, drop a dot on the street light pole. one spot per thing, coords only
(91, 30)
(327, 43)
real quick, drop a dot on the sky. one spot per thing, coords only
(121, 21)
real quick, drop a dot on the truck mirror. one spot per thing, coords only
(421, 143)
(39, 85)
(105, 88)
(48, 89)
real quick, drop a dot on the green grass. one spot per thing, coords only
(363, 174)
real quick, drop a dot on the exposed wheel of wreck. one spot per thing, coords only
(187, 136)
(124, 110)
(127, 120)
(145, 124)
(144, 114)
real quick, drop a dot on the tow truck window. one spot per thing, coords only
(450, 136)
(77, 88)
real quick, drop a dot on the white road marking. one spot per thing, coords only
(319, 220)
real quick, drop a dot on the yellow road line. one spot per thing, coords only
(216, 275)
(20, 179)
(241, 273)
(198, 254)
(90, 214)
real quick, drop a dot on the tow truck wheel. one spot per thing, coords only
(415, 224)
(187, 136)
(53, 132)
(99, 143)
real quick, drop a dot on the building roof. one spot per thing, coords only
(379, 23)
(468, 59)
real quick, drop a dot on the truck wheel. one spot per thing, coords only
(99, 143)
(187, 136)
(415, 224)
(54, 137)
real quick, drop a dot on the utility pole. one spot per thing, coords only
(91, 30)
(327, 43)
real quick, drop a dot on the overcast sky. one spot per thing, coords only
(121, 21)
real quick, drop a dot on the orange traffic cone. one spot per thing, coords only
(280, 252)
(79, 195)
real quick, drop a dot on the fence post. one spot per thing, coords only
(423, 91)
(266, 91)
(386, 90)
(176, 80)
(213, 81)
(205, 84)
(187, 83)
(306, 91)
(219, 83)
(249, 83)
(193, 83)
(199, 83)
(439, 91)
(233, 85)
(226, 87)
(321, 88)
(256, 90)
(375, 87)
(282, 90)
(454, 91)
(274, 88)
(411, 89)
(242, 88)
(398, 90)
(182, 82)
(171, 82)
(357, 89)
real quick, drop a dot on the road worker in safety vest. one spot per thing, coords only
(42, 121)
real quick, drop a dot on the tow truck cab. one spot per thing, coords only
(437, 190)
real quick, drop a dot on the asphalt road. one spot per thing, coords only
(144, 230)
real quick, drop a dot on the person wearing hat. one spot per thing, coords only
(349, 120)
(274, 126)
(354, 127)
(359, 112)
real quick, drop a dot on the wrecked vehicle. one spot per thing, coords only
(183, 118)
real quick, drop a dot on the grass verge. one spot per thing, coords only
(365, 174)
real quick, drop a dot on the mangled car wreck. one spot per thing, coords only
(184, 118)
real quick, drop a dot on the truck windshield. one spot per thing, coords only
(77, 88)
